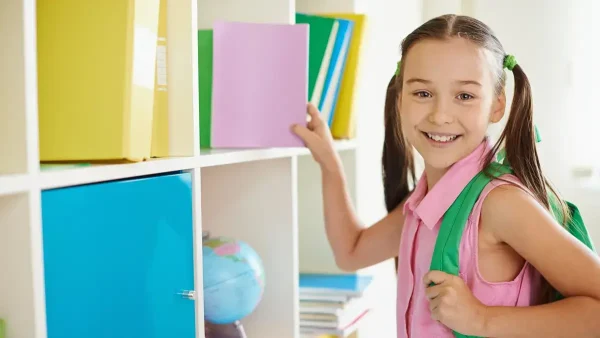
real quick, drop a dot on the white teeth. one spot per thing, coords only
(441, 138)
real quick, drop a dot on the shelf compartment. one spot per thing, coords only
(280, 11)
(243, 202)
(19, 306)
(315, 253)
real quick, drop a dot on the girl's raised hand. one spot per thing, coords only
(317, 138)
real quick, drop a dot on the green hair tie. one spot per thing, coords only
(501, 156)
(510, 62)
(538, 136)
(398, 68)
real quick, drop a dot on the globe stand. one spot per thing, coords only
(233, 330)
(240, 328)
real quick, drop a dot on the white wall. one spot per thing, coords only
(389, 22)
(433, 8)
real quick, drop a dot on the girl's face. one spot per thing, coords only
(448, 99)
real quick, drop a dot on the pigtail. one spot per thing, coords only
(397, 159)
(519, 138)
(520, 144)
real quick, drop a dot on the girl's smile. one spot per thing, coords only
(441, 140)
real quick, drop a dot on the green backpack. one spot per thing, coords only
(445, 255)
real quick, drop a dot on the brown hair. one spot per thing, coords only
(518, 135)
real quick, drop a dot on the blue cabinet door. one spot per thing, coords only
(116, 257)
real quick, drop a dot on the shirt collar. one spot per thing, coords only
(431, 206)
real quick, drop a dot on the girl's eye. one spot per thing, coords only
(422, 94)
(465, 96)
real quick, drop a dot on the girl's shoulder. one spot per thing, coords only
(496, 192)
(502, 187)
(504, 203)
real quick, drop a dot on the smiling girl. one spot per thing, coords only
(448, 89)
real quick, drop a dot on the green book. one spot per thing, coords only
(205, 76)
(62, 166)
(2, 329)
(322, 35)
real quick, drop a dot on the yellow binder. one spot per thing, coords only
(96, 72)
(160, 123)
(343, 125)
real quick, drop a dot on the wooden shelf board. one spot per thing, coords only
(340, 145)
(215, 157)
(14, 184)
(73, 176)
(59, 178)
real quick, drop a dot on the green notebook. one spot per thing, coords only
(322, 34)
(205, 76)
(2, 329)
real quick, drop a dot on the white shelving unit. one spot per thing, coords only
(269, 198)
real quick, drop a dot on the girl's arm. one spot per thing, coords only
(353, 245)
(515, 218)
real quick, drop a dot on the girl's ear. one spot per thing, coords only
(498, 108)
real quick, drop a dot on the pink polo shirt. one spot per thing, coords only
(424, 211)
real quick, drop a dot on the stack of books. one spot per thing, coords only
(335, 44)
(256, 78)
(332, 305)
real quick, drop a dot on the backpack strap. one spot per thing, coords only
(447, 247)
(577, 228)
(445, 253)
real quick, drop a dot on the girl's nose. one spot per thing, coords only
(440, 114)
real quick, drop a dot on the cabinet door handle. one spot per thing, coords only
(189, 294)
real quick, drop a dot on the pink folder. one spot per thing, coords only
(260, 84)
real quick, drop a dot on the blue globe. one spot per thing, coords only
(234, 280)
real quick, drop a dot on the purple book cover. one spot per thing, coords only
(260, 84)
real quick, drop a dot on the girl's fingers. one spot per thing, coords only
(308, 137)
(433, 291)
(436, 277)
(434, 304)
(315, 115)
